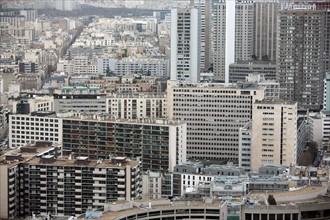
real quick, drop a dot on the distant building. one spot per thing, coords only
(240, 70)
(133, 106)
(300, 56)
(233, 35)
(185, 44)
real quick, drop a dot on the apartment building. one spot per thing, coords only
(213, 113)
(39, 126)
(147, 66)
(133, 106)
(71, 187)
(12, 185)
(274, 133)
(161, 144)
(300, 55)
(185, 44)
(233, 35)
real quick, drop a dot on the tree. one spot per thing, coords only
(271, 200)
(265, 58)
(254, 57)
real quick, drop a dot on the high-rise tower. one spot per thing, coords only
(185, 44)
(233, 35)
(300, 55)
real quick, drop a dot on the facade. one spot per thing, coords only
(244, 154)
(265, 35)
(148, 66)
(164, 209)
(37, 103)
(137, 106)
(160, 144)
(39, 126)
(12, 185)
(185, 44)
(73, 186)
(89, 103)
(300, 56)
(242, 69)
(233, 35)
(274, 133)
(214, 113)
(205, 8)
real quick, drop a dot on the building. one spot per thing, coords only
(274, 133)
(214, 113)
(205, 8)
(233, 35)
(33, 103)
(133, 106)
(265, 26)
(69, 187)
(165, 209)
(240, 70)
(161, 144)
(244, 154)
(80, 99)
(13, 200)
(39, 126)
(300, 56)
(185, 44)
(307, 203)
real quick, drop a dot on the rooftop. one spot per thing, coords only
(275, 101)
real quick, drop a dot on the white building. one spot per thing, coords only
(185, 44)
(132, 106)
(39, 126)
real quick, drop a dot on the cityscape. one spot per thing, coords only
(165, 109)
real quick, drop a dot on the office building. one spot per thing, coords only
(161, 144)
(300, 55)
(265, 26)
(233, 35)
(39, 126)
(274, 133)
(214, 113)
(185, 44)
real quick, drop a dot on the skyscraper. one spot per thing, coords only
(300, 55)
(205, 9)
(233, 35)
(265, 25)
(185, 44)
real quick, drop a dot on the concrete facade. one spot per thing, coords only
(274, 133)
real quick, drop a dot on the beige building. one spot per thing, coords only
(274, 133)
(214, 114)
